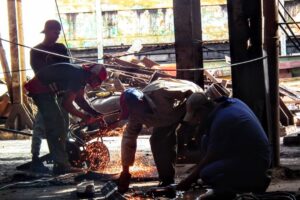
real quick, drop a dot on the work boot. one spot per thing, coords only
(165, 183)
(61, 169)
(168, 192)
(38, 166)
(123, 182)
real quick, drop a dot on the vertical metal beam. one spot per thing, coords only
(188, 39)
(19, 117)
(22, 66)
(99, 22)
(271, 43)
(14, 51)
(250, 81)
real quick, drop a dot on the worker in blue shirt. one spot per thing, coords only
(236, 152)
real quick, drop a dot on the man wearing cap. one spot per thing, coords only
(236, 154)
(160, 105)
(38, 60)
(69, 81)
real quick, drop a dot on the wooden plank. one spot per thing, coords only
(211, 77)
(125, 63)
(6, 70)
(288, 114)
(149, 63)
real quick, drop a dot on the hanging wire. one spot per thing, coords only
(120, 67)
(62, 28)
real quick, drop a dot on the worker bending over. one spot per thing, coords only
(160, 105)
(69, 81)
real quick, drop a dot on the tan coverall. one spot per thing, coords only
(166, 98)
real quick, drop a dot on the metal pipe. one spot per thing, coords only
(15, 131)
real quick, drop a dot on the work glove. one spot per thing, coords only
(123, 182)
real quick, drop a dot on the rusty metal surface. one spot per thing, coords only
(127, 21)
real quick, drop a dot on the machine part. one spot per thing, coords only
(15, 131)
(74, 153)
(109, 192)
(104, 94)
(95, 155)
(109, 107)
(86, 189)
(168, 192)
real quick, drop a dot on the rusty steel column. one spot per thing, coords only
(14, 51)
(19, 117)
(271, 44)
(245, 35)
(188, 39)
(22, 66)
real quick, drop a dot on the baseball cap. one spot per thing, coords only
(100, 71)
(51, 25)
(193, 104)
(129, 98)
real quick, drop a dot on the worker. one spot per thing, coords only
(38, 60)
(69, 81)
(236, 151)
(160, 105)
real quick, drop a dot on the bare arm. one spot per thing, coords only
(69, 107)
(82, 103)
(129, 142)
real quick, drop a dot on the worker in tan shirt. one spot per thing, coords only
(160, 105)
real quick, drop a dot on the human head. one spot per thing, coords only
(51, 30)
(130, 99)
(198, 106)
(98, 74)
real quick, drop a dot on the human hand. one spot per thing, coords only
(185, 184)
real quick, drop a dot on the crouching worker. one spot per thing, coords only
(68, 81)
(160, 105)
(236, 149)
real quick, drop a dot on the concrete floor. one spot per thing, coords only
(16, 152)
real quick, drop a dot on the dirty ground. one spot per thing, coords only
(16, 152)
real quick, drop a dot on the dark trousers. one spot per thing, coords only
(163, 146)
(55, 127)
(39, 130)
(234, 175)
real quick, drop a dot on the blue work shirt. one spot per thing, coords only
(234, 132)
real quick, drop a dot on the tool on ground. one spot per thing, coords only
(86, 189)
